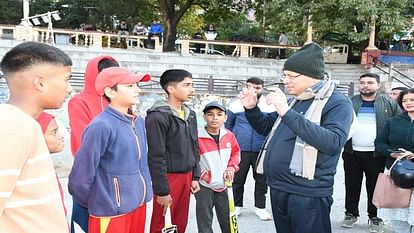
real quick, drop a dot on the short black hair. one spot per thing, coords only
(399, 88)
(106, 63)
(402, 94)
(173, 77)
(255, 80)
(28, 54)
(371, 75)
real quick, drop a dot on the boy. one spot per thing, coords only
(110, 174)
(173, 150)
(219, 160)
(54, 140)
(82, 108)
(38, 78)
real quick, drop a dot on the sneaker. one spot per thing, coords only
(263, 214)
(349, 221)
(376, 225)
(237, 210)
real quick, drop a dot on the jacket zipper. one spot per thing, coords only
(139, 158)
(117, 192)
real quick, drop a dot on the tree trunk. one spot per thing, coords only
(171, 19)
(170, 35)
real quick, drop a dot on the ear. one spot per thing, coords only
(111, 93)
(170, 89)
(39, 83)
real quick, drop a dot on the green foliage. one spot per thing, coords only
(11, 11)
(349, 17)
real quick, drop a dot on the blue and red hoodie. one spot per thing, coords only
(83, 107)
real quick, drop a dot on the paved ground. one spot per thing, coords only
(248, 221)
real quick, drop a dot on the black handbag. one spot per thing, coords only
(402, 173)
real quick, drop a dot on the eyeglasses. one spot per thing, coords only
(291, 77)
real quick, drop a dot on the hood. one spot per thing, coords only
(163, 106)
(91, 73)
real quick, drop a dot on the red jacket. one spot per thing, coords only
(83, 107)
(215, 159)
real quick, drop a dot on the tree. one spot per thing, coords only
(172, 11)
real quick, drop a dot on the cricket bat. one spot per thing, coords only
(233, 219)
(168, 226)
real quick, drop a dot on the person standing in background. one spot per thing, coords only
(283, 40)
(210, 34)
(250, 144)
(372, 110)
(397, 133)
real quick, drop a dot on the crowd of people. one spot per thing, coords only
(122, 161)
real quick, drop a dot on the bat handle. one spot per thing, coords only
(167, 217)
(229, 184)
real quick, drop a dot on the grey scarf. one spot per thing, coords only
(304, 156)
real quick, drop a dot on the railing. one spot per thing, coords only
(239, 49)
(376, 61)
(109, 40)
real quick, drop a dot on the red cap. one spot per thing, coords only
(44, 119)
(112, 76)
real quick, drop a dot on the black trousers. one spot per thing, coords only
(207, 200)
(248, 159)
(355, 165)
(299, 214)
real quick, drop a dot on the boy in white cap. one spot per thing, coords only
(110, 174)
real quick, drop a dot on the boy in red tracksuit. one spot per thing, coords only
(219, 160)
(173, 150)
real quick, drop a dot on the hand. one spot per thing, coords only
(396, 155)
(248, 98)
(164, 202)
(195, 186)
(228, 175)
(278, 99)
(206, 177)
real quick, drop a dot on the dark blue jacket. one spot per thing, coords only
(248, 139)
(110, 175)
(329, 138)
(398, 132)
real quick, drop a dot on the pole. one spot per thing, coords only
(310, 29)
(264, 19)
(25, 9)
(371, 44)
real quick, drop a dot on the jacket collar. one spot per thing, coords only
(202, 132)
(120, 116)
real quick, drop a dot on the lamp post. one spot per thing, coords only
(25, 9)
